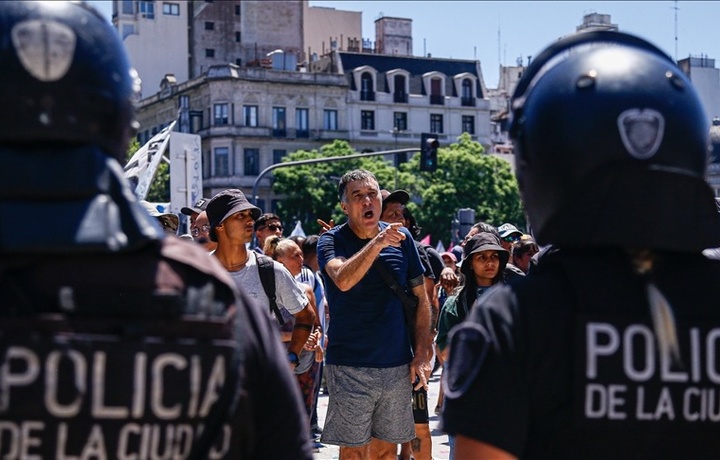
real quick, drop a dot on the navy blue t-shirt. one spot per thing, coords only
(367, 326)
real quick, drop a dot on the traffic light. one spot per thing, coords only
(428, 152)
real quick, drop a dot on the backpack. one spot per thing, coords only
(267, 278)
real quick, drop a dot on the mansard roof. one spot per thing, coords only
(415, 66)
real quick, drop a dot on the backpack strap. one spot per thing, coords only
(267, 278)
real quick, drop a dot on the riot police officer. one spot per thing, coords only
(609, 349)
(116, 340)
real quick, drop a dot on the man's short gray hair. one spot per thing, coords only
(352, 176)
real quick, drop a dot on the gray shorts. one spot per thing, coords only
(367, 403)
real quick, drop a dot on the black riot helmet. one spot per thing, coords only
(611, 147)
(65, 78)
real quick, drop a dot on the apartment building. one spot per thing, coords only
(260, 95)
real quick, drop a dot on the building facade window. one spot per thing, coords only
(468, 124)
(196, 121)
(466, 98)
(367, 92)
(400, 95)
(279, 125)
(250, 115)
(171, 9)
(221, 161)
(436, 123)
(278, 155)
(126, 7)
(220, 114)
(400, 121)
(147, 9)
(367, 120)
(252, 162)
(330, 120)
(302, 128)
(436, 94)
(209, 25)
(238, 37)
(237, 10)
(209, 52)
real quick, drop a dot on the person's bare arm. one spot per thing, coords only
(420, 365)
(431, 291)
(346, 273)
(304, 322)
(470, 448)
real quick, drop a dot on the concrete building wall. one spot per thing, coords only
(596, 21)
(215, 34)
(157, 43)
(328, 29)
(268, 25)
(393, 36)
(706, 79)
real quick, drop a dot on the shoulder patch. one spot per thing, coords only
(469, 344)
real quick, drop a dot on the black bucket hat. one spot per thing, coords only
(225, 204)
(483, 242)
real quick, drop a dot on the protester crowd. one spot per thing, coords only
(490, 255)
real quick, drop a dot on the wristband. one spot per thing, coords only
(293, 358)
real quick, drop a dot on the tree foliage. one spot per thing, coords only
(310, 191)
(159, 191)
(466, 178)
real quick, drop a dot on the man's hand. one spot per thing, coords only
(391, 236)
(448, 279)
(325, 226)
(420, 369)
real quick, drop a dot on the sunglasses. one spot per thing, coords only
(511, 238)
(195, 231)
(273, 227)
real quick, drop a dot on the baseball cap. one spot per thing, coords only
(168, 220)
(507, 229)
(197, 208)
(450, 255)
(225, 204)
(398, 196)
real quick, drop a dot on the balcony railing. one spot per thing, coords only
(467, 102)
(437, 100)
(367, 95)
(400, 98)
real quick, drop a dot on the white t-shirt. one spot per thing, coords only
(289, 295)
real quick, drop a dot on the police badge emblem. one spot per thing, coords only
(641, 131)
(45, 48)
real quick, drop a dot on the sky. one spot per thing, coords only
(502, 32)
